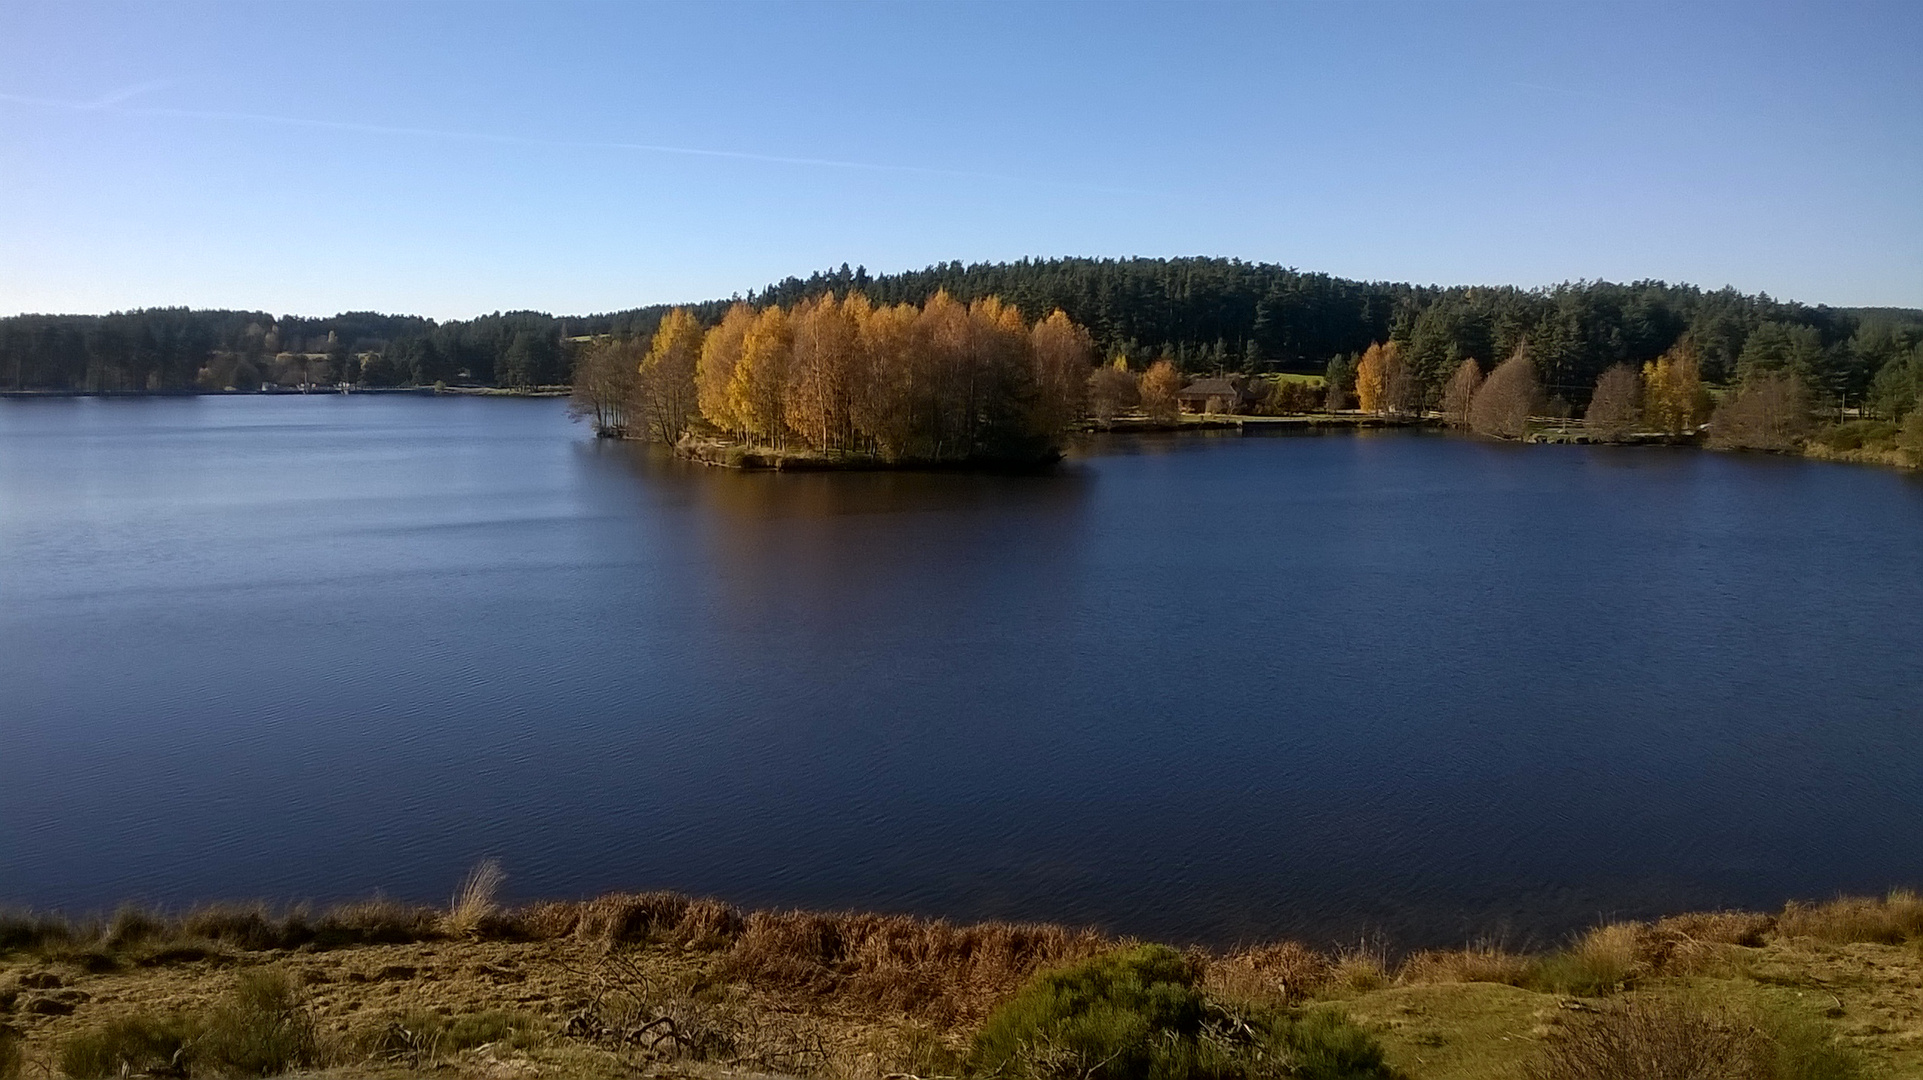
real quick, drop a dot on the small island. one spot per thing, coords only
(844, 383)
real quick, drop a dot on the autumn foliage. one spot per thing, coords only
(942, 381)
(1383, 382)
(1506, 398)
(1674, 400)
(1616, 408)
(1460, 394)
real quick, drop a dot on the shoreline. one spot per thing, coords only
(868, 996)
(723, 453)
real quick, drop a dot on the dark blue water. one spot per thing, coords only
(1212, 688)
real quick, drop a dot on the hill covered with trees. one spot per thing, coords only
(1205, 315)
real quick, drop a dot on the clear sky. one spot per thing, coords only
(451, 160)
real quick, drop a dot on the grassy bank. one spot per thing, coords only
(662, 982)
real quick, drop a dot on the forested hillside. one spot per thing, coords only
(1206, 315)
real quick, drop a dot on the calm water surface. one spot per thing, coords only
(1211, 688)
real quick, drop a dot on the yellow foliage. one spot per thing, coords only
(1673, 396)
(720, 353)
(758, 389)
(1160, 383)
(1381, 381)
(667, 386)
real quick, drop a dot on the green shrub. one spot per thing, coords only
(1139, 1014)
(129, 1046)
(264, 1028)
(1111, 1018)
(1859, 434)
(1911, 436)
(1801, 1047)
(1327, 1046)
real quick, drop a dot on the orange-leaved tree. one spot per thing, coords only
(1157, 390)
(1674, 400)
(666, 384)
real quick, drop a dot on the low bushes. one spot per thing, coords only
(1671, 1039)
(1140, 1014)
(1858, 435)
(264, 1028)
(129, 1046)
(418, 1038)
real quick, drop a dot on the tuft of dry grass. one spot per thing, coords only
(1659, 1039)
(1359, 970)
(1892, 920)
(1282, 973)
(1478, 963)
(1602, 961)
(473, 906)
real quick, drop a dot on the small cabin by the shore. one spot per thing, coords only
(1229, 394)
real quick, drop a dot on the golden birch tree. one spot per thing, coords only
(758, 389)
(1383, 383)
(822, 372)
(714, 372)
(1674, 400)
(667, 375)
(1064, 355)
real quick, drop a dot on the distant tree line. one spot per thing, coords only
(1201, 315)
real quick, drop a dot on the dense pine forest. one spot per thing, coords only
(1203, 315)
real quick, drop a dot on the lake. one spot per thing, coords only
(1196, 688)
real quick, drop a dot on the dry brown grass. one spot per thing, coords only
(473, 906)
(1892, 920)
(1480, 963)
(925, 967)
(1602, 961)
(1359, 970)
(1654, 1040)
(1281, 973)
(635, 918)
(1700, 943)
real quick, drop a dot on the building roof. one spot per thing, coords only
(1215, 388)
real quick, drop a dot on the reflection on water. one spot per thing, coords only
(1217, 688)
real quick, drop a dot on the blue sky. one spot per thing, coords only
(455, 159)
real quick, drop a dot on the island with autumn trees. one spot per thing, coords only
(842, 382)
